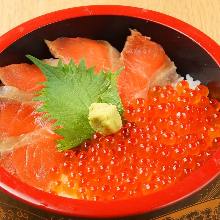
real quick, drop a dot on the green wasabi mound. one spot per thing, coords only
(104, 118)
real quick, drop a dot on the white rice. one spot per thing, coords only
(192, 83)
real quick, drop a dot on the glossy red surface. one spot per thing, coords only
(157, 200)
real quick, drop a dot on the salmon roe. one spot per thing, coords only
(164, 139)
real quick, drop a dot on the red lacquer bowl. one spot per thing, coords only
(191, 50)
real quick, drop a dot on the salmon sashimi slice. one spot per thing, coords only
(146, 65)
(12, 142)
(33, 162)
(17, 118)
(11, 92)
(96, 53)
(27, 142)
(22, 76)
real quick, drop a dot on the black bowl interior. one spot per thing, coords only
(188, 56)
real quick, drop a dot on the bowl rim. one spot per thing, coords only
(100, 209)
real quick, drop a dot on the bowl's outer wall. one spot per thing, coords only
(207, 199)
(188, 56)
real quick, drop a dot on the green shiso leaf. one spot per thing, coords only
(68, 92)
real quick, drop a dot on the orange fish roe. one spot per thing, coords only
(165, 138)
